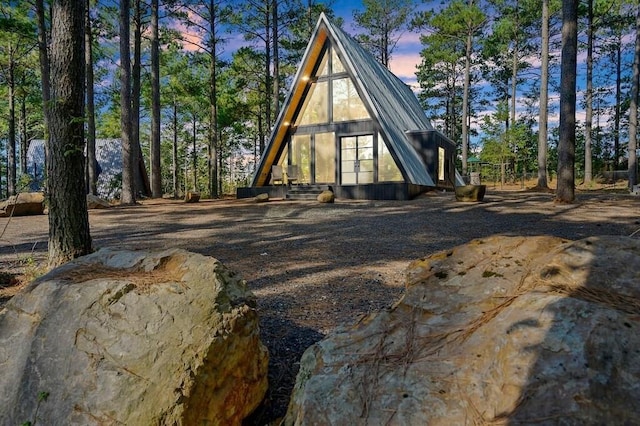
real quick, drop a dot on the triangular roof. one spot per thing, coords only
(390, 101)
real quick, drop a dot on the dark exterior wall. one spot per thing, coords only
(376, 191)
(426, 143)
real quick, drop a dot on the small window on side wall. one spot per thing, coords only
(441, 161)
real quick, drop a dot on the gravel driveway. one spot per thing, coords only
(315, 267)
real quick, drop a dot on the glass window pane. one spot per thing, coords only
(388, 170)
(365, 155)
(348, 154)
(365, 177)
(348, 166)
(336, 63)
(347, 104)
(366, 166)
(365, 141)
(349, 142)
(323, 68)
(325, 158)
(348, 178)
(315, 107)
(301, 156)
(440, 163)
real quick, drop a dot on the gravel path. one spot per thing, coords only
(315, 267)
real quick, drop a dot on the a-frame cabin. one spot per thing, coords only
(350, 124)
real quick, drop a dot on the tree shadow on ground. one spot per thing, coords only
(289, 341)
(293, 253)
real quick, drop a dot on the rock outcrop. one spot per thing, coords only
(95, 202)
(470, 193)
(505, 330)
(135, 338)
(23, 204)
(261, 198)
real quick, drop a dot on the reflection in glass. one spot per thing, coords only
(336, 63)
(347, 104)
(301, 156)
(323, 68)
(357, 163)
(388, 170)
(315, 107)
(325, 158)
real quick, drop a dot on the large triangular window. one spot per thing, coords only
(331, 82)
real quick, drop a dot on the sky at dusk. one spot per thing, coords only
(404, 59)
(406, 56)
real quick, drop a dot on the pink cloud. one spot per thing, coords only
(404, 65)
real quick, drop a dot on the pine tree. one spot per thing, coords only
(383, 21)
(156, 172)
(68, 218)
(565, 191)
(128, 194)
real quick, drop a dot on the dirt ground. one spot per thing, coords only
(315, 267)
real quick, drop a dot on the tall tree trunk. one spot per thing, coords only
(44, 69)
(210, 163)
(588, 122)
(514, 67)
(261, 133)
(128, 195)
(24, 138)
(11, 139)
(140, 177)
(220, 157)
(194, 154)
(213, 103)
(633, 109)
(267, 75)
(156, 173)
(452, 111)
(465, 96)
(386, 31)
(618, 110)
(276, 60)
(69, 235)
(514, 84)
(92, 162)
(566, 147)
(175, 150)
(544, 89)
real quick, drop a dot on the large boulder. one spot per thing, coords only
(326, 196)
(23, 204)
(132, 338)
(261, 198)
(95, 202)
(508, 330)
(470, 193)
